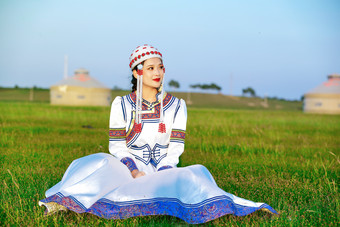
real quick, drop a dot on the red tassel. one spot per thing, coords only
(161, 128)
(138, 128)
(140, 72)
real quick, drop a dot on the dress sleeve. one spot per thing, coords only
(117, 133)
(176, 145)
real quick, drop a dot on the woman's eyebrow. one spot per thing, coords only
(153, 65)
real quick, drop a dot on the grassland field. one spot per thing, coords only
(282, 157)
(194, 99)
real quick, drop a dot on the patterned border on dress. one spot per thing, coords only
(177, 135)
(117, 134)
(202, 212)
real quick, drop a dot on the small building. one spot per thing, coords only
(325, 98)
(80, 90)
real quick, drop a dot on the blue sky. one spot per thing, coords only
(279, 48)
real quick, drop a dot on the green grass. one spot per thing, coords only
(287, 159)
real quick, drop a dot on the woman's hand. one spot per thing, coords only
(136, 173)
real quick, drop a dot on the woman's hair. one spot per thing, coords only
(134, 83)
(134, 80)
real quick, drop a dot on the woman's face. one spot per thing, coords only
(153, 72)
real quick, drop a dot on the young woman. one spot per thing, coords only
(140, 177)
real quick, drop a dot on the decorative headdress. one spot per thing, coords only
(139, 55)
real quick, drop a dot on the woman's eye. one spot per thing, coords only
(161, 67)
(151, 68)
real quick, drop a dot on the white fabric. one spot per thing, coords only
(101, 175)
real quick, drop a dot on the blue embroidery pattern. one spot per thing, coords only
(164, 167)
(150, 155)
(123, 108)
(202, 212)
(129, 163)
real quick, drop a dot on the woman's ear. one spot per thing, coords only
(134, 72)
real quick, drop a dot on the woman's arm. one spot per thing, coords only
(117, 143)
(176, 146)
(132, 167)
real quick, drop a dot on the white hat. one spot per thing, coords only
(142, 53)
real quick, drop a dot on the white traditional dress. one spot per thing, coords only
(102, 184)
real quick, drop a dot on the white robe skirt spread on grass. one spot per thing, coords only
(102, 185)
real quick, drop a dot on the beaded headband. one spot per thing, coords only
(142, 53)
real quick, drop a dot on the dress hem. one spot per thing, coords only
(202, 212)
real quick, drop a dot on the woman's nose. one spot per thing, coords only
(157, 72)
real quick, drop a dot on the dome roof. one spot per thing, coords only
(81, 78)
(81, 71)
(331, 86)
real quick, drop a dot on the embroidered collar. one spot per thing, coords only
(152, 104)
(146, 104)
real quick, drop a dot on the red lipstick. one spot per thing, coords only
(157, 79)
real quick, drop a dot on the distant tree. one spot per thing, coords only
(211, 86)
(215, 87)
(279, 99)
(16, 86)
(116, 88)
(195, 86)
(174, 84)
(249, 90)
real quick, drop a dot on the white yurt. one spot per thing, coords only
(325, 98)
(80, 90)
